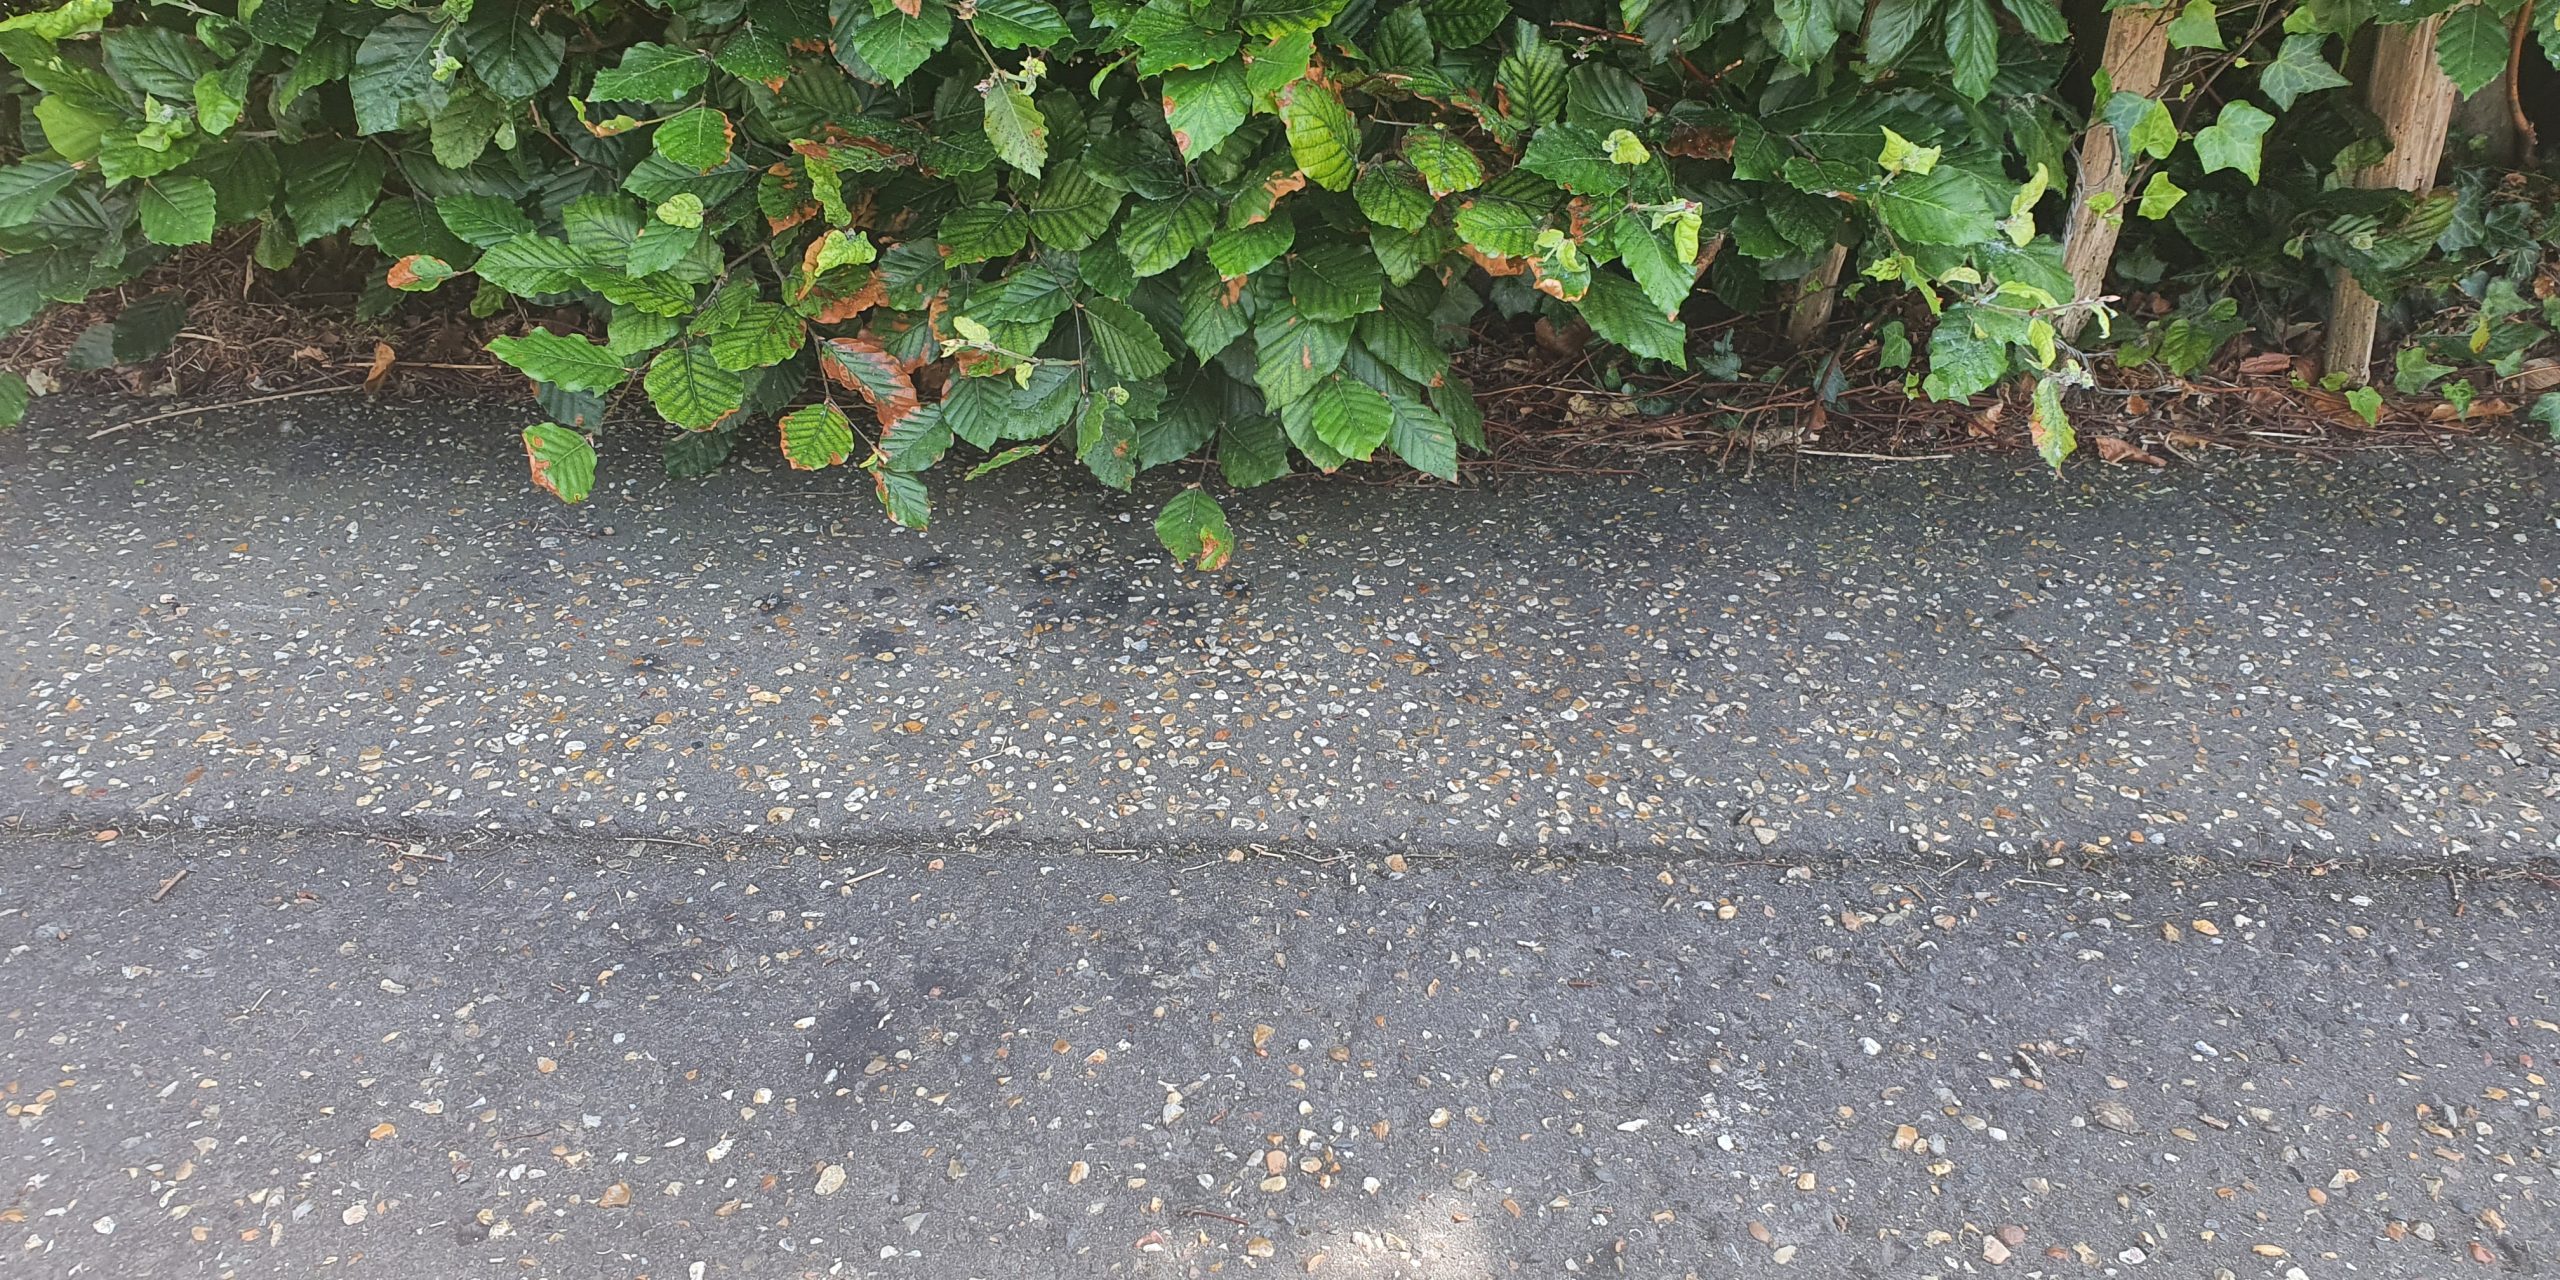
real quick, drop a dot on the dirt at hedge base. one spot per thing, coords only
(1552, 401)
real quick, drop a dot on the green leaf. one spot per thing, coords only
(1404, 342)
(2412, 372)
(529, 265)
(1352, 417)
(1391, 192)
(1973, 45)
(1943, 206)
(13, 399)
(1962, 363)
(1294, 353)
(916, 443)
(1005, 459)
(895, 44)
(2367, 403)
(863, 366)
(691, 455)
(2040, 19)
(1507, 217)
(221, 96)
(1203, 106)
(1459, 24)
(1194, 528)
(1211, 318)
(2160, 195)
(1272, 19)
(2197, 26)
(1337, 280)
(761, 334)
(904, 498)
(816, 437)
(463, 130)
(1533, 76)
(1071, 210)
(2299, 68)
(331, 187)
(980, 232)
(1252, 451)
(158, 61)
(1245, 250)
(176, 210)
(1124, 339)
(1158, 235)
(2050, 426)
(1015, 126)
(26, 188)
(1900, 156)
(1019, 24)
(567, 362)
(1574, 158)
(1447, 166)
(507, 48)
(650, 73)
(1620, 312)
(563, 462)
(699, 139)
(1322, 138)
(1807, 29)
(2232, 140)
(2143, 125)
(2471, 46)
(1895, 27)
(1421, 437)
(394, 82)
(1168, 39)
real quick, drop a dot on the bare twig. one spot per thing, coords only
(217, 408)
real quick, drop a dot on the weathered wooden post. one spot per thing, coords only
(2137, 50)
(2415, 99)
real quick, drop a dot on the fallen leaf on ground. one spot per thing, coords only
(2119, 449)
(2267, 362)
(383, 359)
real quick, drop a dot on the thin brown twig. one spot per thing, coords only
(2515, 79)
(217, 408)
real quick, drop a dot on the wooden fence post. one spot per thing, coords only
(2137, 50)
(2415, 100)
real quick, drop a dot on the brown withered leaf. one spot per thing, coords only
(2267, 362)
(383, 358)
(1700, 142)
(2119, 449)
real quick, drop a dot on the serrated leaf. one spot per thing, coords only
(482, 221)
(1322, 138)
(1015, 126)
(1169, 39)
(2050, 426)
(2471, 46)
(418, 273)
(1019, 24)
(1241, 251)
(903, 498)
(1447, 166)
(650, 73)
(1422, 438)
(894, 42)
(2299, 68)
(176, 210)
(1204, 106)
(1574, 158)
(1350, 417)
(509, 50)
(1071, 210)
(691, 455)
(980, 232)
(1124, 339)
(331, 187)
(566, 361)
(1895, 26)
(1506, 218)
(1337, 280)
(1005, 459)
(1294, 354)
(1533, 76)
(2233, 140)
(393, 84)
(1272, 19)
(1943, 206)
(1962, 363)
(13, 399)
(816, 437)
(1158, 235)
(1973, 46)
(1212, 317)
(1391, 192)
(699, 139)
(761, 334)
(1252, 451)
(863, 366)
(2041, 20)
(529, 265)
(1621, 313)
(562, 461)
(1459, 24)
(1194, 528)
(690, 389)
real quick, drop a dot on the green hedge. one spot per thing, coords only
(1241, 231)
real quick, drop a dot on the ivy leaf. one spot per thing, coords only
(2197, 26)
(650, 73)
(699, 139)
(1194, 528)
(1621, 313)
(562, 461)
(863, 366)
(816, 437)
(176, 210)
(1973, 45)
(2143, 125)
(508, 49)
(2232, 141)
(1322, 138)
(565, 361)
(690, 389)
(1124, 339)
(1446, 165)
(1352, 417)
(1203, 106)
(2367, 403)
(2160, 195)
(2471, 47)
(1015, 126)
(2298, 69)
